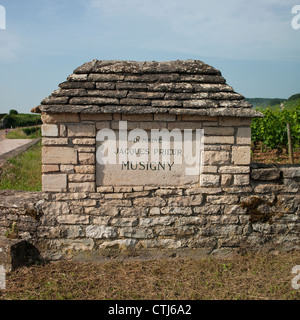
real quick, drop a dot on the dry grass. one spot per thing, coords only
(250, 277)
(268, 156)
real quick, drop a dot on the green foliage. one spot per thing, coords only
(294, 97)
(25, 133)
(12, 232)
(274, 102)
(21, 120)
(292, 104)
(13, 112)
(23, 172)
(271, 130)
(31, 131)
(264, 102)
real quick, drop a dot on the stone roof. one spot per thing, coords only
(176, 87)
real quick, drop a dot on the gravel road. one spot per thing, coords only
(7, 145)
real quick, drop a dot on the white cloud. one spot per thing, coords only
(233, 29)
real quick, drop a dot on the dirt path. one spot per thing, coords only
(7, 145)
(2, 134)
(12, 147)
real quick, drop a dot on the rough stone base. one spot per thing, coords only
(155, 254)
(13, 253)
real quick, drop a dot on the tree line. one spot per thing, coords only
(13, 119)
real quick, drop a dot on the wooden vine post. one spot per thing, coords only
(291, 156)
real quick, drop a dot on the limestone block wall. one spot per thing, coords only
(69, 147)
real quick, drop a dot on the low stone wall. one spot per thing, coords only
(20, 213)
(151, 221)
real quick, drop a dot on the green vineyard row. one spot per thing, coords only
(271, 130)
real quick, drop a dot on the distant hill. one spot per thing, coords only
(265, 102)
(294, 97)
(292, 104)
(270, 102)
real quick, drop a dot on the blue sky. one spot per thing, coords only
(252, 43)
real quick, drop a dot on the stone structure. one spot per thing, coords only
(91, 210)
(147, 95)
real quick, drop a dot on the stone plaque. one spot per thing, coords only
(153, 157)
